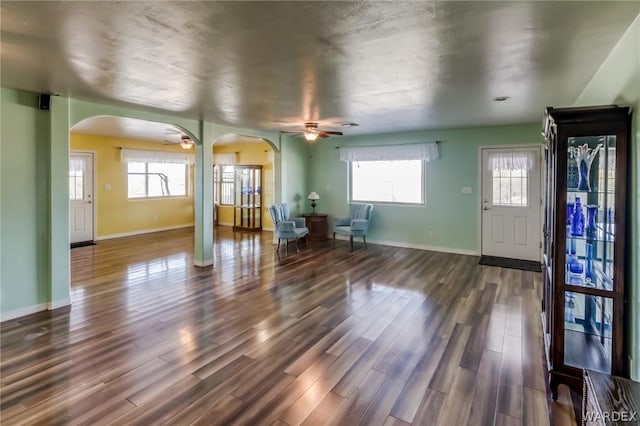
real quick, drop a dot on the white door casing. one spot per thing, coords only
(81, 199)
(511, 204)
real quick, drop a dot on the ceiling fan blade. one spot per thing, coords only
(323, 135)
(331, 133)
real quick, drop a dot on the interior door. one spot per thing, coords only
(511, 203)
(81, 202)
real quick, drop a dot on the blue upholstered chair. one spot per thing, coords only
(285, 228)
(356, 225)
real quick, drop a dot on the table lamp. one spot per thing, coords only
(313, 197)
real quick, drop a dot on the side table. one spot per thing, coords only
(318, 225)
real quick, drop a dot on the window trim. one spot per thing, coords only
(423, 186)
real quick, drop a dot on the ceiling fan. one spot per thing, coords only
(311, 132)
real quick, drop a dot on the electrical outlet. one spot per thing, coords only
(430, 233)
(466, 190)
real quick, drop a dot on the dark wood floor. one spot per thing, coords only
(383, 336)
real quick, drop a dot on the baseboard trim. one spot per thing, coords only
(59, 304)
(413, 246)
(145, 231)
(17, 313)
(49, 306)
(230, 225)
(203, 264)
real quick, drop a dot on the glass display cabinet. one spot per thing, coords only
(247, 198)
(584, 242)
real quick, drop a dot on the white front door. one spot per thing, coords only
(511, 203)
(81, 196)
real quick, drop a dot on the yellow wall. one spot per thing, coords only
(116, 214)
(250, 154)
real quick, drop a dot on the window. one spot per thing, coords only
(510, 187)
(395, 181)
(223, 178)
(76, 185)
(148, 179)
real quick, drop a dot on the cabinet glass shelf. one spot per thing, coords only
(601, 237)
(587, 193)
(587, 331)
(598, 280)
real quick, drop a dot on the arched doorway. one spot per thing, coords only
(142, 177)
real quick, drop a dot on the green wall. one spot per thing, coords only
(25, 204)
(449, 220)
(617, 81)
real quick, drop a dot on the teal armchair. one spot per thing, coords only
(285, 228)
(356, 225)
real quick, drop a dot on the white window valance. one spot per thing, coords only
(422, 151)
(139, 155)
(227, 158)
(515, 160)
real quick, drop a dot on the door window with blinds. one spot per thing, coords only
(76, 184)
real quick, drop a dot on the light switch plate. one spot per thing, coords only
(466, 190)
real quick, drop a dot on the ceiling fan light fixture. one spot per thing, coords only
(186, 142)
(310, 136)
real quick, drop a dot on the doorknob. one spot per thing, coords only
(485, 208)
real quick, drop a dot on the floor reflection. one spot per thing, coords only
(260, 340)
(142, 271)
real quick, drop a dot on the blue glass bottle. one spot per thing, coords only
(576, 267)
(588, 273)
(570, 208)
(591, 221)
(577, 220)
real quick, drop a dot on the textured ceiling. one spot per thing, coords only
(388, 66)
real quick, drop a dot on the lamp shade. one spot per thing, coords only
(313, 196)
